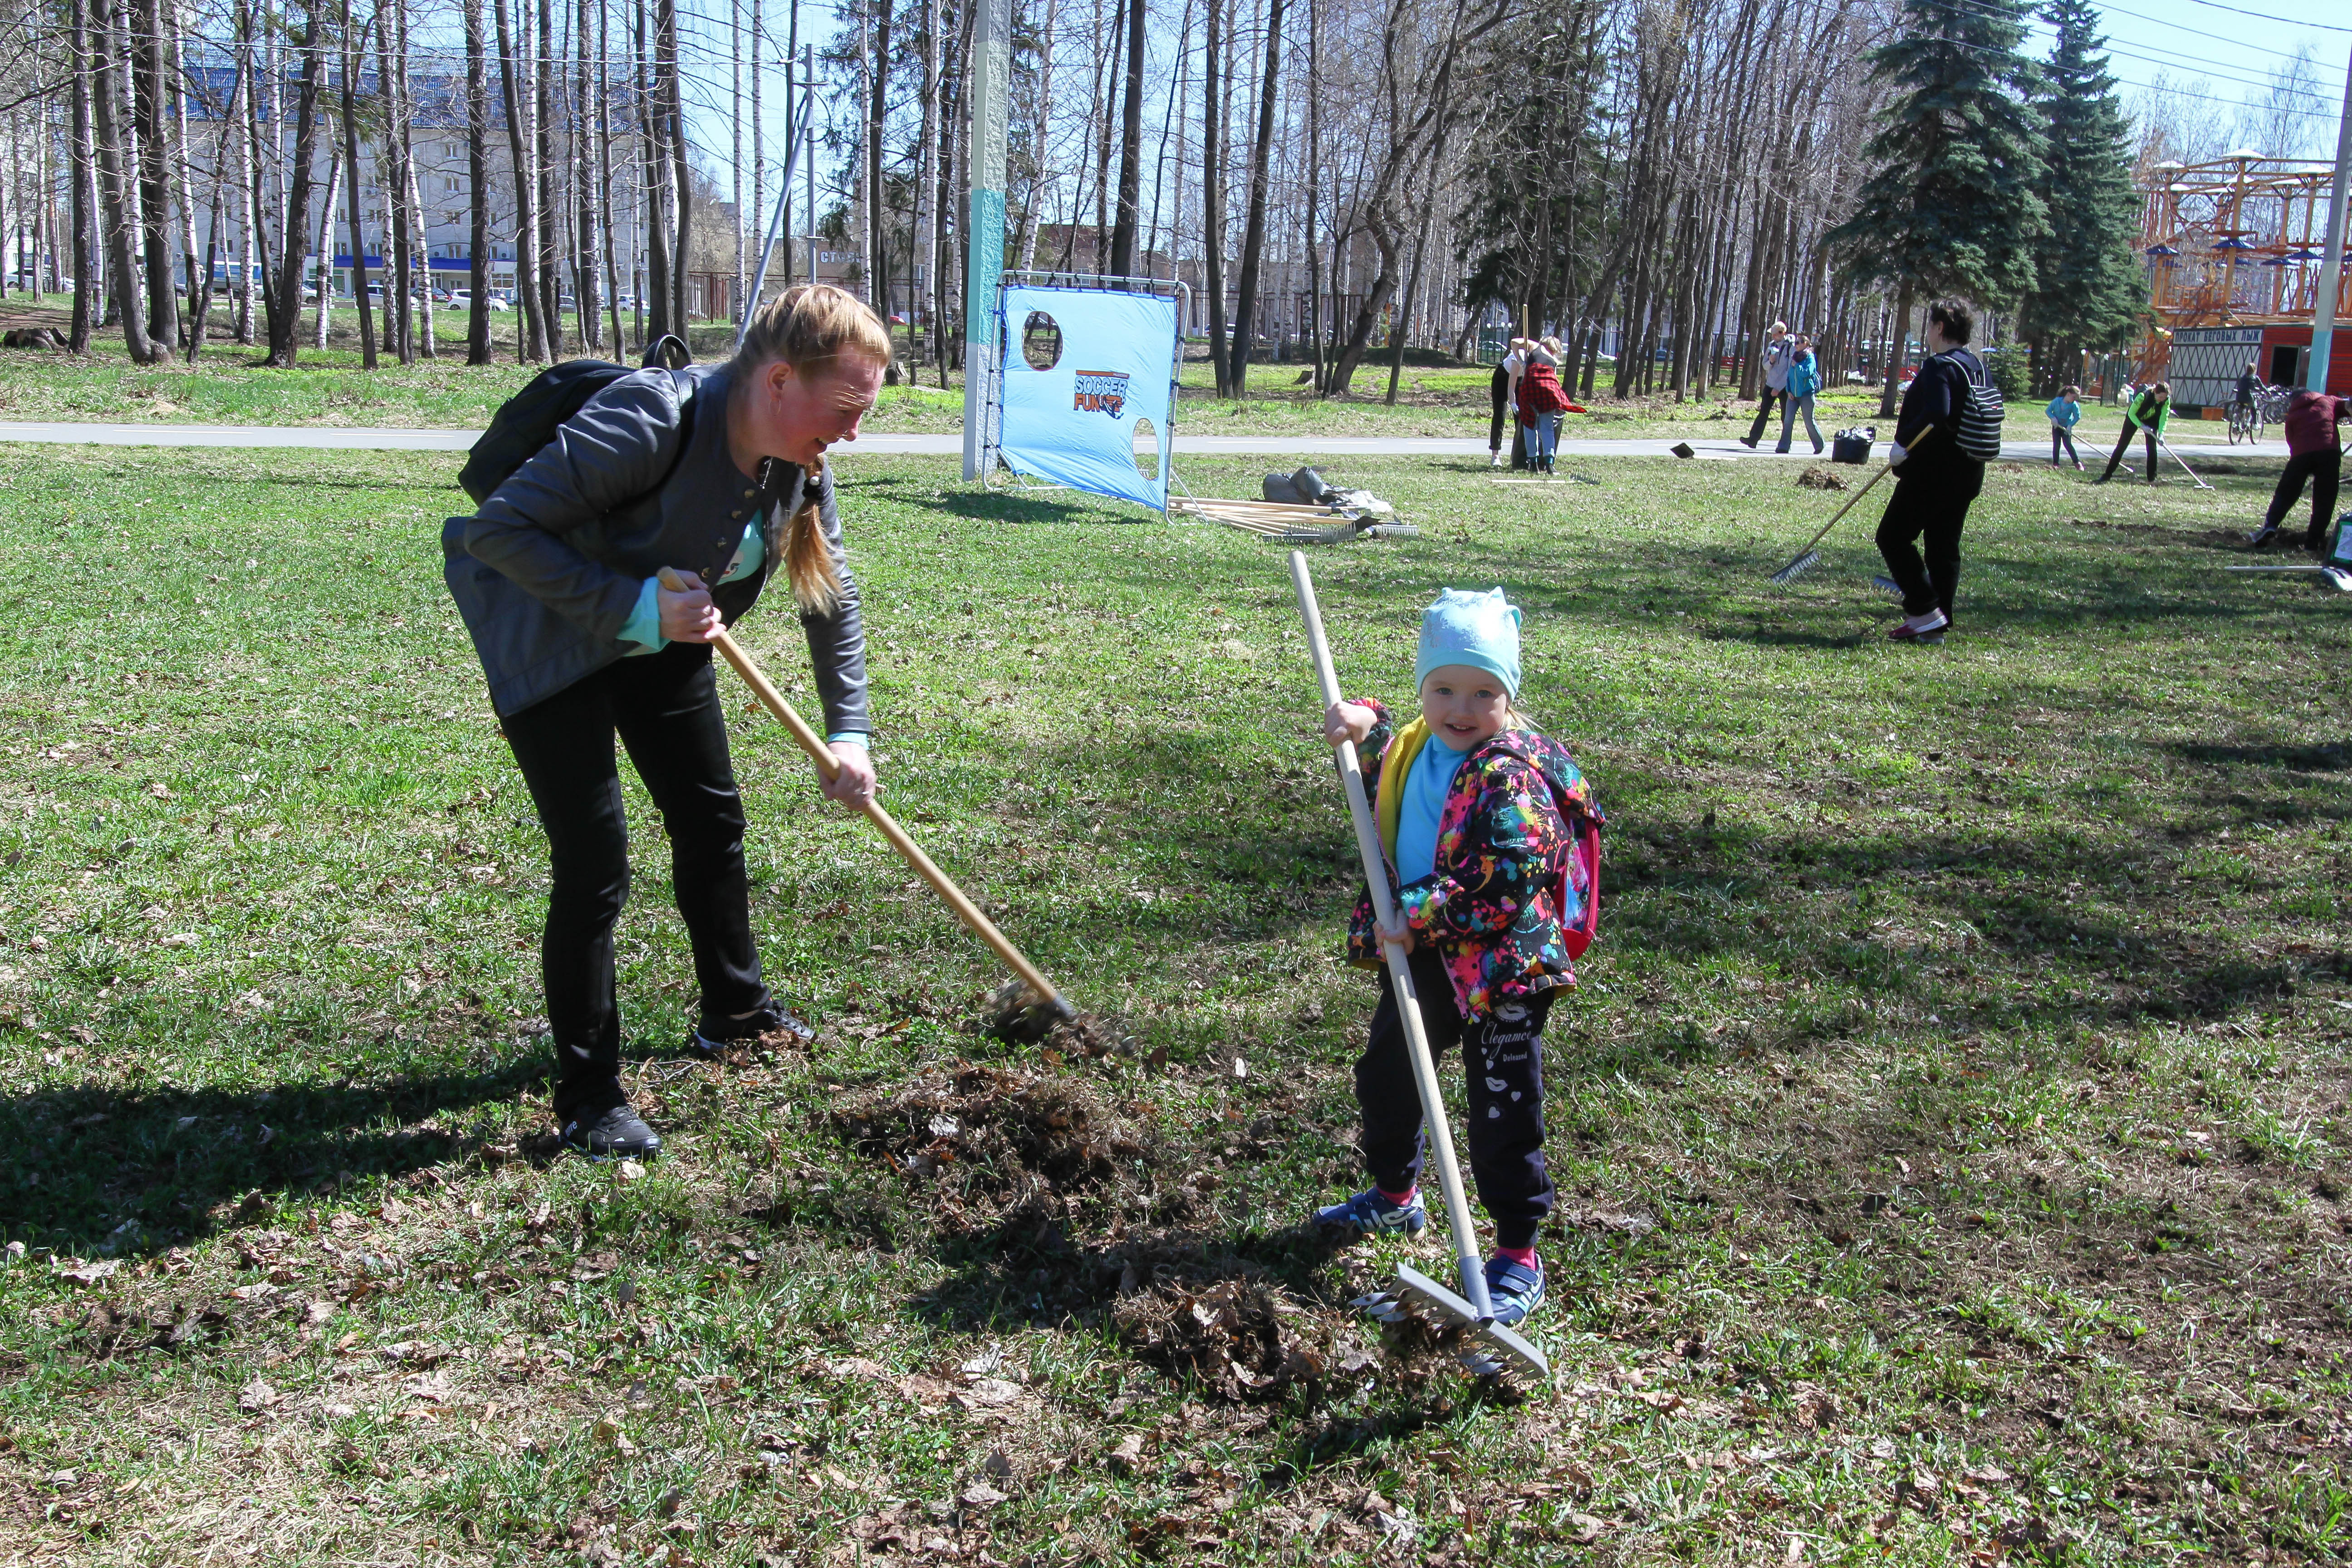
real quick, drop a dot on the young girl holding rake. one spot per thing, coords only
(1488, 825)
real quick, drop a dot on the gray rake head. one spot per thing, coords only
(1796, 568)
(1493, 1350)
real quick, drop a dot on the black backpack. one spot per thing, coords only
(529, 420)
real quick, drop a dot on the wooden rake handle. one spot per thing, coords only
(1885, 468)
(830, 767)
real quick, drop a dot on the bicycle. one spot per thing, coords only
(2245, 421)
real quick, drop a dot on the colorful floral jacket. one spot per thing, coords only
(1493, 906)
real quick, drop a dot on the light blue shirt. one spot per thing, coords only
(1425, 786)
(644, 625)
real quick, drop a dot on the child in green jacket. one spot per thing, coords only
(2147, 413)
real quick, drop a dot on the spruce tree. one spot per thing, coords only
(1953, 207)
(2089, 291)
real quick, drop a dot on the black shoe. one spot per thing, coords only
(616, 1132)
(1749, 442)
(2103, 478)
(713, 1036)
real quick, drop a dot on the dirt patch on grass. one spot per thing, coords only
(997, 1132)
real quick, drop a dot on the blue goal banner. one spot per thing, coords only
(1082, 368)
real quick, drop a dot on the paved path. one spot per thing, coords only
(354, 438)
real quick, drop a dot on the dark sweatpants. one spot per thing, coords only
(2124, 446)
(1934, 502)
(1764, 412)
(665, 708)
(1504, 1066)
(2321, 468)
(1498, 389)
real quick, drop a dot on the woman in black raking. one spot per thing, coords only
(1934, 486)
(716, 471)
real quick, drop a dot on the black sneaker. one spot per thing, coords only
(713, 1036)
(616, 1133)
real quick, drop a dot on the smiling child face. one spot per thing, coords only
(1463, 704)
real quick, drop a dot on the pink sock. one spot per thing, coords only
(1525, 1256)
(1396, 1200)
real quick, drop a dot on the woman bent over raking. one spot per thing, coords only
(719, 472)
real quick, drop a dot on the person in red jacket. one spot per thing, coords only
(1541, 400)
(2316, 453)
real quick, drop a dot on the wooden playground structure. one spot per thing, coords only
(2234, 249)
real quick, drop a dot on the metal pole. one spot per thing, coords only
(992, 71)
(2331, 270)
(792, 145)
(808, 178)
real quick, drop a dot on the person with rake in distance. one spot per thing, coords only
(716, 471)
(1479, 814)
(1935, 486)
(2147, 413)
(2315, 454)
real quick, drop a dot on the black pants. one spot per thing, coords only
(1764, 413)
(2124, 444)
(2321, 469)
(1504, 1066)
(1499, 389)
(1932, 502)
(665, 707)
(2059, 435)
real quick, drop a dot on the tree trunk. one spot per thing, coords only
(604, 170)
(673, 97)
(1253, 236)
(1212, 197)
(586, 203)
(477, 169)
(551, 275)
(354, 51)
(149, 95)
(84, 219)
(182, 163)
(285, 317)
(877, 96)
(1131, 150)
(399, 326)
(1420, 249)
(1899, 335)
(1320, 381)
(531, 340)
(113, 198)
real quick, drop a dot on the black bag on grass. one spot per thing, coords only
(529, 420)
(1852, 446)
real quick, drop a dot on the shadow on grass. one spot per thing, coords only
(126, 1172)
(1027, 1269)
(2327, 758)
(1014, 506)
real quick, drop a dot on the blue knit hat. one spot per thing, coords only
(1481, 630)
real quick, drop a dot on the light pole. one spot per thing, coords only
(2331, 268)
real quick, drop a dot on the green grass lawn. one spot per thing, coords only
(1951, 1130)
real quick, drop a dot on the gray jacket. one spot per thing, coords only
(547, 573)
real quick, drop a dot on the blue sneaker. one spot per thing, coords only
(1514, 1290)
(1369, 1214)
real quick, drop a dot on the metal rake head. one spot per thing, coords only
(1796, 568)
(1488, 1349)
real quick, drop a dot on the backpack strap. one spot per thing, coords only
(1584, 855)
(668, 352)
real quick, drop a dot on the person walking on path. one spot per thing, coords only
(1933, 486)
(1804, 379)
(2316, 454)
(1542, 402)
(718, 472)
(2066, 412)
(1480, 814)
(1779, 350)
(2147, 413)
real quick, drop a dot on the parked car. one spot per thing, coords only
(500, 302)
(459, 299)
